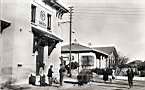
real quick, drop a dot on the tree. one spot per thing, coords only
(122, 60)
(141, 66)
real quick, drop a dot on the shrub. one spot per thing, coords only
(142, 73)
(100, 71)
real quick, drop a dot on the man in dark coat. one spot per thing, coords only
(130, 75)
(50, 75)
(105, 75)
(61, 73)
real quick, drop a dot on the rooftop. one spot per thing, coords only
(109, 50)
(76, 48)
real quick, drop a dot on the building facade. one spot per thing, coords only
(88, 57)
(31, 43)
(85, 56)
(112, 59)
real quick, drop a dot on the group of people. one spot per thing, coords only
(106, 73)
(130, 75)
(61, 74)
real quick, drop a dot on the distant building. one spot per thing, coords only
(135, 63)
(29, 37)
(112, 59)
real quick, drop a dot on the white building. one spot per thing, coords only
(111, 51)
(31, 39)
(90, 58)
(86, 57)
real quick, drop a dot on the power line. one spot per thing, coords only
(108, 10)
(110, 13)
(111, 7)
(113, 10)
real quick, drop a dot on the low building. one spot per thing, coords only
(84, 55)
(31, 42)
(111, 51)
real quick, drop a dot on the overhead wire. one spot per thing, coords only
(115, 7)
(110, 10)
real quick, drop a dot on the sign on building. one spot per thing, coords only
(41, 17)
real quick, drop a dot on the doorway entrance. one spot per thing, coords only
(41, 39)
(39, 60)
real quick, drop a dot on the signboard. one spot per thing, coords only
(41, 17)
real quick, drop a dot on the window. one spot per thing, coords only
(49, 21)
(33, 13)
(87, 60)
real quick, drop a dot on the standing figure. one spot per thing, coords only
(61, 73)
(130, 75)
(42, 77)
(50, 75)
(105, 75)
(113, 74)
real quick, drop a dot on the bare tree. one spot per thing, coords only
(122, 60)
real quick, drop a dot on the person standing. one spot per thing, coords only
(105, 75)
(50, 75)
(113, 74)
(130, 75)
(61, 73)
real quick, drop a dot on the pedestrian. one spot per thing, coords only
(105, 75)
(130, 75)
(50, 75)
(61, 73)
(113, 74)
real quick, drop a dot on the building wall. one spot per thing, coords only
(8, 11)
(23, 41)
(16, 42)
(76, 59)
(112, 59)
(53, 59)
(17, 39)
(103, 62)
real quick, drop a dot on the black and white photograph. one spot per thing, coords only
(72, 44)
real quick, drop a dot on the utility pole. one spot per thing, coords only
(70, 38)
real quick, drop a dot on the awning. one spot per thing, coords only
(46, 34)
(56, 5)
(4, 24)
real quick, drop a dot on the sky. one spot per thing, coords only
(119, 23)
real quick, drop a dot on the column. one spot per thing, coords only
(100, 61)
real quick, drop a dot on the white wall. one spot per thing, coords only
(23, 41)
(7, 38)
(16, 42)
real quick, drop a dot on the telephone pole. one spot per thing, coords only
(70, 38)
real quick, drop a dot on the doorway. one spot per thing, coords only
(39, 59)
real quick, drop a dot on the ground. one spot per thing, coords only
(96, 85)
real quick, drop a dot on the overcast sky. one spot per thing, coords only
(109, 22)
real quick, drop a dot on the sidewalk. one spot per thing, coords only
(120, 81)
(125, 78)
(25, 86)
